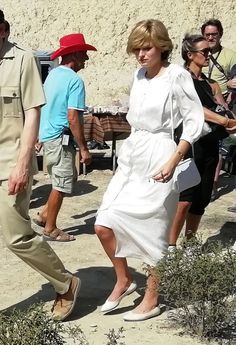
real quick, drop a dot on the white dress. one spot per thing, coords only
(136, 209)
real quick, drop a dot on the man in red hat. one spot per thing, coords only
(61, 122)
(20, 101)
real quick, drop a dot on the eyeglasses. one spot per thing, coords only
(204, 51)
(214, 34)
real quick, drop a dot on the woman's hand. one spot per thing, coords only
(231, 125)
(166, 172)
(231, 130)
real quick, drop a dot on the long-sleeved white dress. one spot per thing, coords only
(139, 211)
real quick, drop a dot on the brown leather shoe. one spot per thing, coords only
(64, 304)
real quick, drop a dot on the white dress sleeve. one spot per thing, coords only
(189, 107)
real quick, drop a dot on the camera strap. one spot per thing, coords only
(216, 64)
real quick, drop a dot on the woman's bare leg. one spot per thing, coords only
(178, 222)
(124, 279)
(151, 296)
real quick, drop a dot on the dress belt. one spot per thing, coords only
(160, 134)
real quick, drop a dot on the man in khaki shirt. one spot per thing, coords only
(223, 58)
(21, 96)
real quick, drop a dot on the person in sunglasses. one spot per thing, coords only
(192, 202)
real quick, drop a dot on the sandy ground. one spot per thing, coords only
(21, 286)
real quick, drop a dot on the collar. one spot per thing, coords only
(218, 51)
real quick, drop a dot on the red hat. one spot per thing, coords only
(70, 44)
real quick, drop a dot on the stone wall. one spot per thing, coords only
(39, 24)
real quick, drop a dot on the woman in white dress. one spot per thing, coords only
(140, 201)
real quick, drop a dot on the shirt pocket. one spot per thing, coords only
(11, 102)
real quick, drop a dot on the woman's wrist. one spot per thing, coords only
(180, 154)
(177, 157)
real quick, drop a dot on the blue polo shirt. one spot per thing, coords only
(64, 89)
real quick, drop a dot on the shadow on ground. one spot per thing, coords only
(97, 283)
(86, 228)
(226, 235)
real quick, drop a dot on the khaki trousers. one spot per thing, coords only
(25, 243)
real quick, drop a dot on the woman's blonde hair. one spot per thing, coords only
(150, 31)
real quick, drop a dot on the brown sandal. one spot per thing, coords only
(58, 236)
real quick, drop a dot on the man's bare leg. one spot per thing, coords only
(42, 215)
(53, 207)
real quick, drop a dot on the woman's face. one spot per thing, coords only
(148, 56)
(200, 54)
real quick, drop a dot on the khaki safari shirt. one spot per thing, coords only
(20, 90)
(226, 58)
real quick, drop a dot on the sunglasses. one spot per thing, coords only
(204, 51)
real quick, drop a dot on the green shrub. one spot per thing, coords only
(200, 281)
(30, 327)
(35, 326)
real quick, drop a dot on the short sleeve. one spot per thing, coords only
(189, 106)
(32, 93)
(76, 98)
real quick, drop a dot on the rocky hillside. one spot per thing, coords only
(39, 24)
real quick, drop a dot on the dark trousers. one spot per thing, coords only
(206, 156)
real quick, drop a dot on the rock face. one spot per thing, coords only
(39, 24)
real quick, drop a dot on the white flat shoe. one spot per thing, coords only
(132, 316)
(110, 305)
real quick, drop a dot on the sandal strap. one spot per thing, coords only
(56, 233)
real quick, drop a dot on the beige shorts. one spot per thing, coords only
(60, 164)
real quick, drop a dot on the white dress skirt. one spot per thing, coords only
(139, 211)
